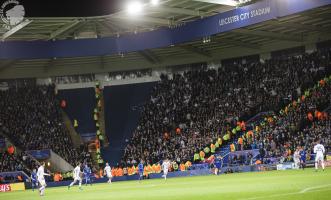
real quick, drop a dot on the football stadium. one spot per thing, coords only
(165, 99)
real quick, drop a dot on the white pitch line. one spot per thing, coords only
(313, 188)
(291, 193)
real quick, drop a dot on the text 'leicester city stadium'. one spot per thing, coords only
(165, 99)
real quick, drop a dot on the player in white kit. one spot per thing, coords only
(41, 179)
(107, 171)
(296, 158)
(165, 168)
(319, 150)
(77, 177)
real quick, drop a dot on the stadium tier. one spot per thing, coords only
(185, 93)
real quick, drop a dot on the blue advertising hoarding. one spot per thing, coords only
(40, 154)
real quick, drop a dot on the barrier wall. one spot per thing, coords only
(123, 106)
(197, 172)
(80, 104)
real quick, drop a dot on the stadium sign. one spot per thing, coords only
(11, 13)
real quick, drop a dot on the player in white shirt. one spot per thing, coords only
(165, 168)
(77, 177)
(107, 171)
(296, 158)
(319, 150)
(41, 179)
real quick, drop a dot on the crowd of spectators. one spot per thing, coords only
(16, 162)
(190, 110)
(129, 74)
(30, 116)
(85, 78)
(299, 124)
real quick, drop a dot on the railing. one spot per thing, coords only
(12, 177)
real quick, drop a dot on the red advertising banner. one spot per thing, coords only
(5, 188)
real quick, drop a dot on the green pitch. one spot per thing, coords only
(294, 184)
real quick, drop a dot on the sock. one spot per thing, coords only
(323, 165)
(80, 183)
(42, 188)
(72, 183)
(316, 164)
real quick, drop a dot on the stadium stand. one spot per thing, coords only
(30, 117)
(192, 110)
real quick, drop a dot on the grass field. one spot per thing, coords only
(294, 184)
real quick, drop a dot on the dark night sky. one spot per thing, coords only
(70, 8)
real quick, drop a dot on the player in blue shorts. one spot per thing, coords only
(34, 181)
(141, 170)
(87, 174)
(303, 158)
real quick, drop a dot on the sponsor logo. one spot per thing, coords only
(11, 13)
(5, 188)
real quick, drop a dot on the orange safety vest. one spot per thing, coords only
(243, 126)
(240, 141)
(154, 168)
(120, 172)
(182, 167)
(188, 164)
(158, 168)
(232, 147)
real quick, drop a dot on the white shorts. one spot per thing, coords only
(77, 179)
(319, 157)
(42, 182)
(109, 176)
(296, 160)
(165, 172)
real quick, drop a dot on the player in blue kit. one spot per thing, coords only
(141, 170)
(303, 158)
(34, 182)
(87, 174)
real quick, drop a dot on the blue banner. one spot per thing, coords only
(40, 154)
(164, 37)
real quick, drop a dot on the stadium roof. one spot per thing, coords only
(286, 32)
(168, 14)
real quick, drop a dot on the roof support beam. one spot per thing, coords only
(239, 43)
(7, 64)
(271, 35)
(149, 56)
(153, 20)
(300, 26)
(174, 10)
(15, 29)
(222, 2)
(198, 51)
(63, 29)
